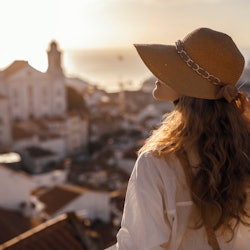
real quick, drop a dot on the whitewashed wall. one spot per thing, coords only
(95, 205)
(15, 188)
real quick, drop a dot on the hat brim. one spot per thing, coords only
(166, 64)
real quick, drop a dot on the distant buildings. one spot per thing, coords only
(34, 119)
(28, 200)
(244, 82)
(37, 123)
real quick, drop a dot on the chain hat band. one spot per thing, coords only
(193, 65)
(227, 91)
(204, 64)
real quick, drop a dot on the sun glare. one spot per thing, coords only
(88, 25)
(31, 25)
(27, 31)
(28, 26)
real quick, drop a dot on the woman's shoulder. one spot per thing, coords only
(155, 156)
(151, 161)
(147, 155)
(152, 156)
(148, 158)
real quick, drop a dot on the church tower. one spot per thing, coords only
(54, 60)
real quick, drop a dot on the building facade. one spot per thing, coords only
(33, 104)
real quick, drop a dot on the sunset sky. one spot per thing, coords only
(28, 26)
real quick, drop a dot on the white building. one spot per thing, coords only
(33, 94)
(70, 198)
(77, 133)
(33, 109)
(5, 129)
(50, 179)
(15, 188)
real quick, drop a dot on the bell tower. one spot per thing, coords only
(54, 59)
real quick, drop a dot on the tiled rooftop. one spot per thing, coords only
(13, 223)
(14, 67)
(66, 232)
(59, 196)
(20, 133)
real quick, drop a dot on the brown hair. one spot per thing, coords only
(221, 133)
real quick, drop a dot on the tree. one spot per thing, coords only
(75, 100)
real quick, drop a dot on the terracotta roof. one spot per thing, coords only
(20, 133)
(14, 67)
(13, 223)
(59, 196)
(107, 232)
(65, 232)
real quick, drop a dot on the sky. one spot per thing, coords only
(28, 26)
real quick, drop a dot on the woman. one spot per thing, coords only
(189, 188)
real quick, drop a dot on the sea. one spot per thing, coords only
(111, 69)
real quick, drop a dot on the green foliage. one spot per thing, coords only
(75, 100)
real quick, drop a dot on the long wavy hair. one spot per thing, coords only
(220, 131)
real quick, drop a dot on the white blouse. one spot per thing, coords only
(158, 209)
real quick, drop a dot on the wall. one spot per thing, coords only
(15, 188)
(95, 205)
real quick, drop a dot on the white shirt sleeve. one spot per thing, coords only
(144, 224)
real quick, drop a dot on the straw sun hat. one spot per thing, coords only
(205, 64)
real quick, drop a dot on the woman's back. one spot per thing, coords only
(143, 225)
